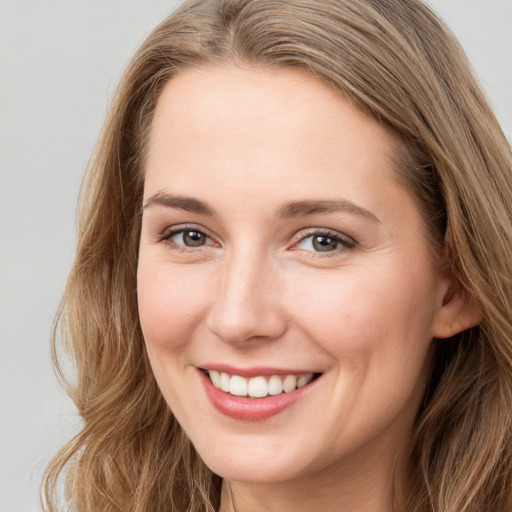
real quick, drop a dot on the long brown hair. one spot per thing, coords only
(397, 62)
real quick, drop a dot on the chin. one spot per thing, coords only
(252, 471)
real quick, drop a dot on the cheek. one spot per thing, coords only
(170, 305)
(355, 314)
(377, 330)
(170, 311)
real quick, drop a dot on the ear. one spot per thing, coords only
(456, 312)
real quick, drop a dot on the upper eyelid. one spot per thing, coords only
(347, 243)
(305, 233)
(302, 234)
(173, 230)
(170, 231)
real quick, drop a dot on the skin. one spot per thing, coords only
(364, 313)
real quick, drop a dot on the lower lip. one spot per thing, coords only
(251, 409)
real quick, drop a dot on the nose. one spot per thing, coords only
(247, 305)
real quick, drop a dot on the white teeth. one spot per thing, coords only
(289, 384)
(258, 387)
(304, 379)
(224, 382)
(215, 376)
(275, 385)
(238, 386)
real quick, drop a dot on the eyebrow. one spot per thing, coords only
(287, 210)
(304, 208)
(188, 204)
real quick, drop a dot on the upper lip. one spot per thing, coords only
(255, 371)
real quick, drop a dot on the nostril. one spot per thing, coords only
(251, 322)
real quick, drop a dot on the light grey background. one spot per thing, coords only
(59, 63)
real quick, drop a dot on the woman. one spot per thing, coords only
(292, 289)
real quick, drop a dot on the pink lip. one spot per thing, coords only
(251, 409)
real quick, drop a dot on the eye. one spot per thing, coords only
(187, 238)
(190, 238)
(324, 242)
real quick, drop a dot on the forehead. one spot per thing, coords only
(286, 96)
(260, 121)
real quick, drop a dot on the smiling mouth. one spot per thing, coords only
(259, 386)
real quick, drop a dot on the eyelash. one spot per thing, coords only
(167, 236)
(345, 243)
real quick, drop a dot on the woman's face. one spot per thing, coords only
(278, 247)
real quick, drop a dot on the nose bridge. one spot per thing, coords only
(247, 303)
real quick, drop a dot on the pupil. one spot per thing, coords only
(324, 243)
(193, 238)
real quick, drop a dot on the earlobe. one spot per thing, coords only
(457, 312)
